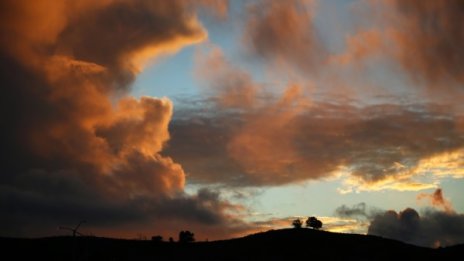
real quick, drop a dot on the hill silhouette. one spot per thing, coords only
(284, 244)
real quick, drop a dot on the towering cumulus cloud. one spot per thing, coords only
(73, 147)
(433, 228)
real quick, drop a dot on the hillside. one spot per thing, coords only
(285, 244)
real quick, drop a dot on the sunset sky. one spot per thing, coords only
(228, 118)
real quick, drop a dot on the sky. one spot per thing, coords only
(232, 117)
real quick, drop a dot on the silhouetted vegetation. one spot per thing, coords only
(157, 238)
(272, 245)
(186, 237)
(297, 223)
(314, 223)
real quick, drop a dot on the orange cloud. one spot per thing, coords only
(289, 140)
(283, 33)
(220, 8)
(233, 87)
(430, 36)
(360, 46)
(265, 143)
(436, 199)
(75, 146)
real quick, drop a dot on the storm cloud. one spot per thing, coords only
(431, 229)
(75, 146)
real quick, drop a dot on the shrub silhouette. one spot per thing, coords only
(157, 238)
(186, 236)
(314, 223)
(297, 223)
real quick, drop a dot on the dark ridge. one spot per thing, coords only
(282, 244)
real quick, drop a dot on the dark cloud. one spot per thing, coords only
(283, 32)
(358, 210)
(74, 147)
(39, 202)
(430, 38)
(431, 229)
(287, 141)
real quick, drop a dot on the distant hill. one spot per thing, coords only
(285, 244)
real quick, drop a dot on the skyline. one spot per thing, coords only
(231, 117)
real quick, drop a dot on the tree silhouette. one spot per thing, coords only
(186, 236)
(157, 238)
(297, 223)
(314, 223)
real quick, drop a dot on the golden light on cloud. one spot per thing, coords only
(344, 225)
(139, 59)
(426, 174)
(401, 181)
(447, 164)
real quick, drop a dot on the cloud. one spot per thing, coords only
(358, 210)
(257, 154)
(430, 37)
(360, 46)
(425, 38)
(231, 86)
(431, 229)
(289, 139)
(284, 33)
(74, 145)
(219, 8)
(355, 219)
(63, 198)
(436, 199)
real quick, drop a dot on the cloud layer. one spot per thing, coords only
(288, 140)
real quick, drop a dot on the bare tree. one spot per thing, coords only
(74, 230)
